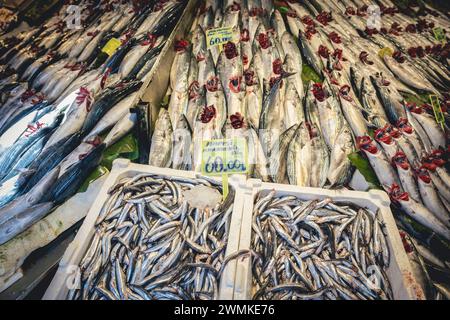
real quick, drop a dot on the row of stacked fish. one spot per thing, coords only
(317, 249)
(59, 96)
(152, 243)
(302, 134)
(8, 19)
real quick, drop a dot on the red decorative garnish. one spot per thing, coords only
(318, 92)
(335, 37)
(400, 160)
(414, 108)
(408, 248)
(245, 59)
(200, 57)
(381, 135)
(249, 77)
(363, 56)
(84, 96)
(411, 28)
(237, 120)
(245, 35)
(398, 56)
(277, 66)
(350, 11)
(193, 89)
(423, 174)
(324, 52)
(105, 77)
(292, 14)
(181, 45)
(324, 18)
(274, 80)
(212, 84)
(370, 31)
(27, 95)
(404, 126)
(344, 92)
(95, 142)
(230, 50)
(362, 12)
(93, 33)
(365, 143)
(208, 114)
(396, 194)
(235, 84)
(149, 41)
(308, 21)
(235, 7)
(264, 40)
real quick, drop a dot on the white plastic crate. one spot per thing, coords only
(403, 284)
(122, 168)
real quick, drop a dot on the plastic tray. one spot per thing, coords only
(399, 271)
(122, 168)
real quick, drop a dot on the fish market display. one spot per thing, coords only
(151, 243)
(66, 95)
(317, 249)
(378, 68)
(255, 83)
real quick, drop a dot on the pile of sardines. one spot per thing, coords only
(317, 249)
(150, 243)
(63, 99)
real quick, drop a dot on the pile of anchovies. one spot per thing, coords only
(317, 249)
(149, 243)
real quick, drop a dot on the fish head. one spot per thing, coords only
(366, 143)
(404, 126)
(423, 174)
(400, 160)
(382, 135)
(396, 194)
(213, 84)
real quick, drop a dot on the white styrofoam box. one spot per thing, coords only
(123, 168)
(403, 284)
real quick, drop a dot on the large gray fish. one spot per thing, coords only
(121, 128)
(419, 212)
(258, 165)
(23, 221)
(179, 82)
(389, 97)
(26, 201)
(408, 74)
(230, 72)
(299, 158)
(380, 164)
(182, 145)
(340, 170)
(372, 106)
(271, 114)
(253, 96)
(161, 147)
(278, 155)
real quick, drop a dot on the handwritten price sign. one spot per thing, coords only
(219, 36)
(224, 156)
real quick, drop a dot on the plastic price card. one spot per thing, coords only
(219, 36)
(111, 46)
(222, 157)
(438, 114)
(385, 51)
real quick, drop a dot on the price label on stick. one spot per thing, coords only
(111, 46)
(221, 157)
(438, 114)
(385, 51)
(219, 36)
(439, 34)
